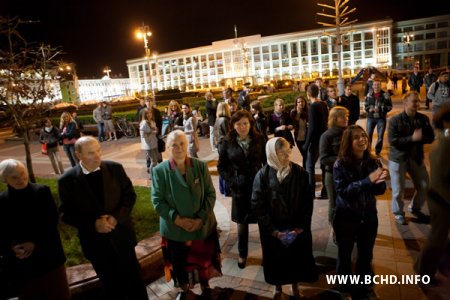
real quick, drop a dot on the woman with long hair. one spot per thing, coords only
(241, 155)
(282, 201)
(175, 115)
(189, 126)
(68, 129)
(183, 195)
(149, 140)
(221, 130)
(358, 178)
(299, 116)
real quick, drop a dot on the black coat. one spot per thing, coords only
(30, 215)
(239, 170)
(285, 206)
(80, 208)
(285, 119)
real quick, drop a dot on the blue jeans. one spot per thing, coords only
(381, 127)
(70, 152)
(101, 131)
(419, 176)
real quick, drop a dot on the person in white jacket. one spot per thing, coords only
(149, 141)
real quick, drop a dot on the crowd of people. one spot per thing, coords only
(256, 169)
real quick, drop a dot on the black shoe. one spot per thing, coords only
(242, 262)
(420, 217)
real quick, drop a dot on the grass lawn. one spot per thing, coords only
(146, 221)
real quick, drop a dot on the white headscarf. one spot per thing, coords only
(272, 160)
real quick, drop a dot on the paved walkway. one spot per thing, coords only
(395, 250)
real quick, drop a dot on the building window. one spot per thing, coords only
(431, 26)
(442, 44)
(419, 27)
(408, 29)
(430, 35)
(430, 46)
(442, 24)
(294, 50)
(314, 49)
(304, 48)
(324, 44)
(442, 34)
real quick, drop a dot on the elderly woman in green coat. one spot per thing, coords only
(184, 196)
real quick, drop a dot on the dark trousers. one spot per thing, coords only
(348, 232)
(437, 241)
(120, 274)
(243, 240)
(302, 152)
(311, 159)
(380, 123)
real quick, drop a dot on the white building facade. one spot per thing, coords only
(103, 89)
(261, 60)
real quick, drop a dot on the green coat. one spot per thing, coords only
(194, 197)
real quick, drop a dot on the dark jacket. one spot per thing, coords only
(285, 119)
(415, 82)
(317, 123)
(285, 206)
(30, 215)
(244, 100)
(330, 142)
(50, 138)
(384, 103)
(355, 199)
(80, 208)
(211, 111)
(71, 130)
(221, 128)
(352, 103)
(428, 79)
(239, 170)
(400, 131)
(261, 124)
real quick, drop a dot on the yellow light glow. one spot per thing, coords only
(139, 34)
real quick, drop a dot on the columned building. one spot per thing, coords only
(295, 56)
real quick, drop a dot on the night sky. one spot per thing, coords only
(96, 33)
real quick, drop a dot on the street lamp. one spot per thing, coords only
(239, 42)
(144, 33)
(107, 70)
(407, 38)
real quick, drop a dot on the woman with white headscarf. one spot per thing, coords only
(282, 200)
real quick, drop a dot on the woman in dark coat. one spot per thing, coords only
(299, 116)
(241, 155)
(280, 122)
(358, 178)
(282, 201)
(29, 238)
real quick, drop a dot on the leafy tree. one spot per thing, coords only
(26, 74)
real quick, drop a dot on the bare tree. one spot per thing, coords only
(26, 74)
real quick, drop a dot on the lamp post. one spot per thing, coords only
(107, 70)
(239, 42)
(407, 38)
(144, 33)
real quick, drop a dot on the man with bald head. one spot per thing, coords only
(97, 198)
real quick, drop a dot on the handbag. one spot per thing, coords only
(44, 148)
(161, 145)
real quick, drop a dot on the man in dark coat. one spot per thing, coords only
(415, 80)
(244, 98)
(97, 198)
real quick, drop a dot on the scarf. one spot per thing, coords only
(272, 160)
